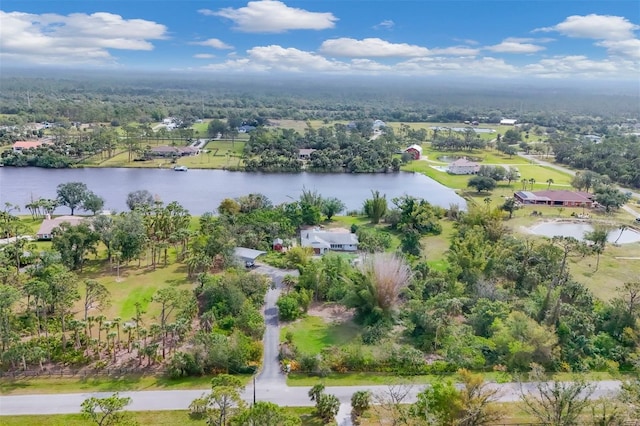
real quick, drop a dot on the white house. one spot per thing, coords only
(462, 166)
(508, 122)
(48, 225)
(323, 241)
(377, 124)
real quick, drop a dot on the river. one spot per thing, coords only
(201, 191)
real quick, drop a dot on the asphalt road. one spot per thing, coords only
(270, 376)
(270, 384)
(279, 394)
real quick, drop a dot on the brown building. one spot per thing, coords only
(560, 198)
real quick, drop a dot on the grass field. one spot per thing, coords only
(135, 285)
(311, 334)
(151, 418)
(46, 385)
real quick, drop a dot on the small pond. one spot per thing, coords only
(452, 158)
(577, 230)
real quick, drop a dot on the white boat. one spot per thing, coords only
(180, 168)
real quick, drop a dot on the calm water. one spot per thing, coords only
(577, 230)
(201, 191)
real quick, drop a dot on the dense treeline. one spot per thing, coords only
(150, 98)
(617, 157)
(336, 149)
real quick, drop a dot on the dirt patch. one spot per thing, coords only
(331, 312)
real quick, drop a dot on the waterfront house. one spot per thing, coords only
(48, 225)
(305, 153)
(462, 166)
(20, 146)
(322, 241)
(173, 151)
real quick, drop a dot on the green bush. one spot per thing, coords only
(183, 364)
(373, 334)
(288, 307)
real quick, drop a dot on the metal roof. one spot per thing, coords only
(247, 253)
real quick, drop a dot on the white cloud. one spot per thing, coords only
(292, 59)
(368, 65)
(629, 48)
(616, 33)
(455, 51)
(204, 56)
(73, 39)
(600, 27)
(370, 48)
(213, 42)
(387, 24)
(579, 66)
(276, 58)
(456, 66)
(529, 39)
(271, 16)
(509, 46)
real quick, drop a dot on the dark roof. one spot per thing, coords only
(556, 195)
(176, 149)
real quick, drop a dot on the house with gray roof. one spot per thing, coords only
(48, 225)
(322, 241)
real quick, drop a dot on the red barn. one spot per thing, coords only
(415, 151)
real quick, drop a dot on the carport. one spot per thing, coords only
(247, 255)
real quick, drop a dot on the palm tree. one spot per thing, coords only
(532, 181)
(622, 229)
(549, 182)
(524, 184)
(598, 237)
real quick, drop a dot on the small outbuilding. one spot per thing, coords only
(278, 244)
(415, 151)
(247, 256)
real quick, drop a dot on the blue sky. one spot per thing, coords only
(508, 39)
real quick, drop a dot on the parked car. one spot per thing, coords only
(249, 264)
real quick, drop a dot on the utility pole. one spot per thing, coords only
(254, 389)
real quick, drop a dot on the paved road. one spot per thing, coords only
(270, 384)
(270, 375)
(281, 395)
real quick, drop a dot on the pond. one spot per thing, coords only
(452, 158)
(201, 191)
(577, 231)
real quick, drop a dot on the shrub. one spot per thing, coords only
(183, 364)
(373, 334)
(288, 307)
(309, 363)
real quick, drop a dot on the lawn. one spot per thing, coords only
(311, 334)
(151, 418)
(130, 382)
(135, 285)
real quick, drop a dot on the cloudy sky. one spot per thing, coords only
(509, 38)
